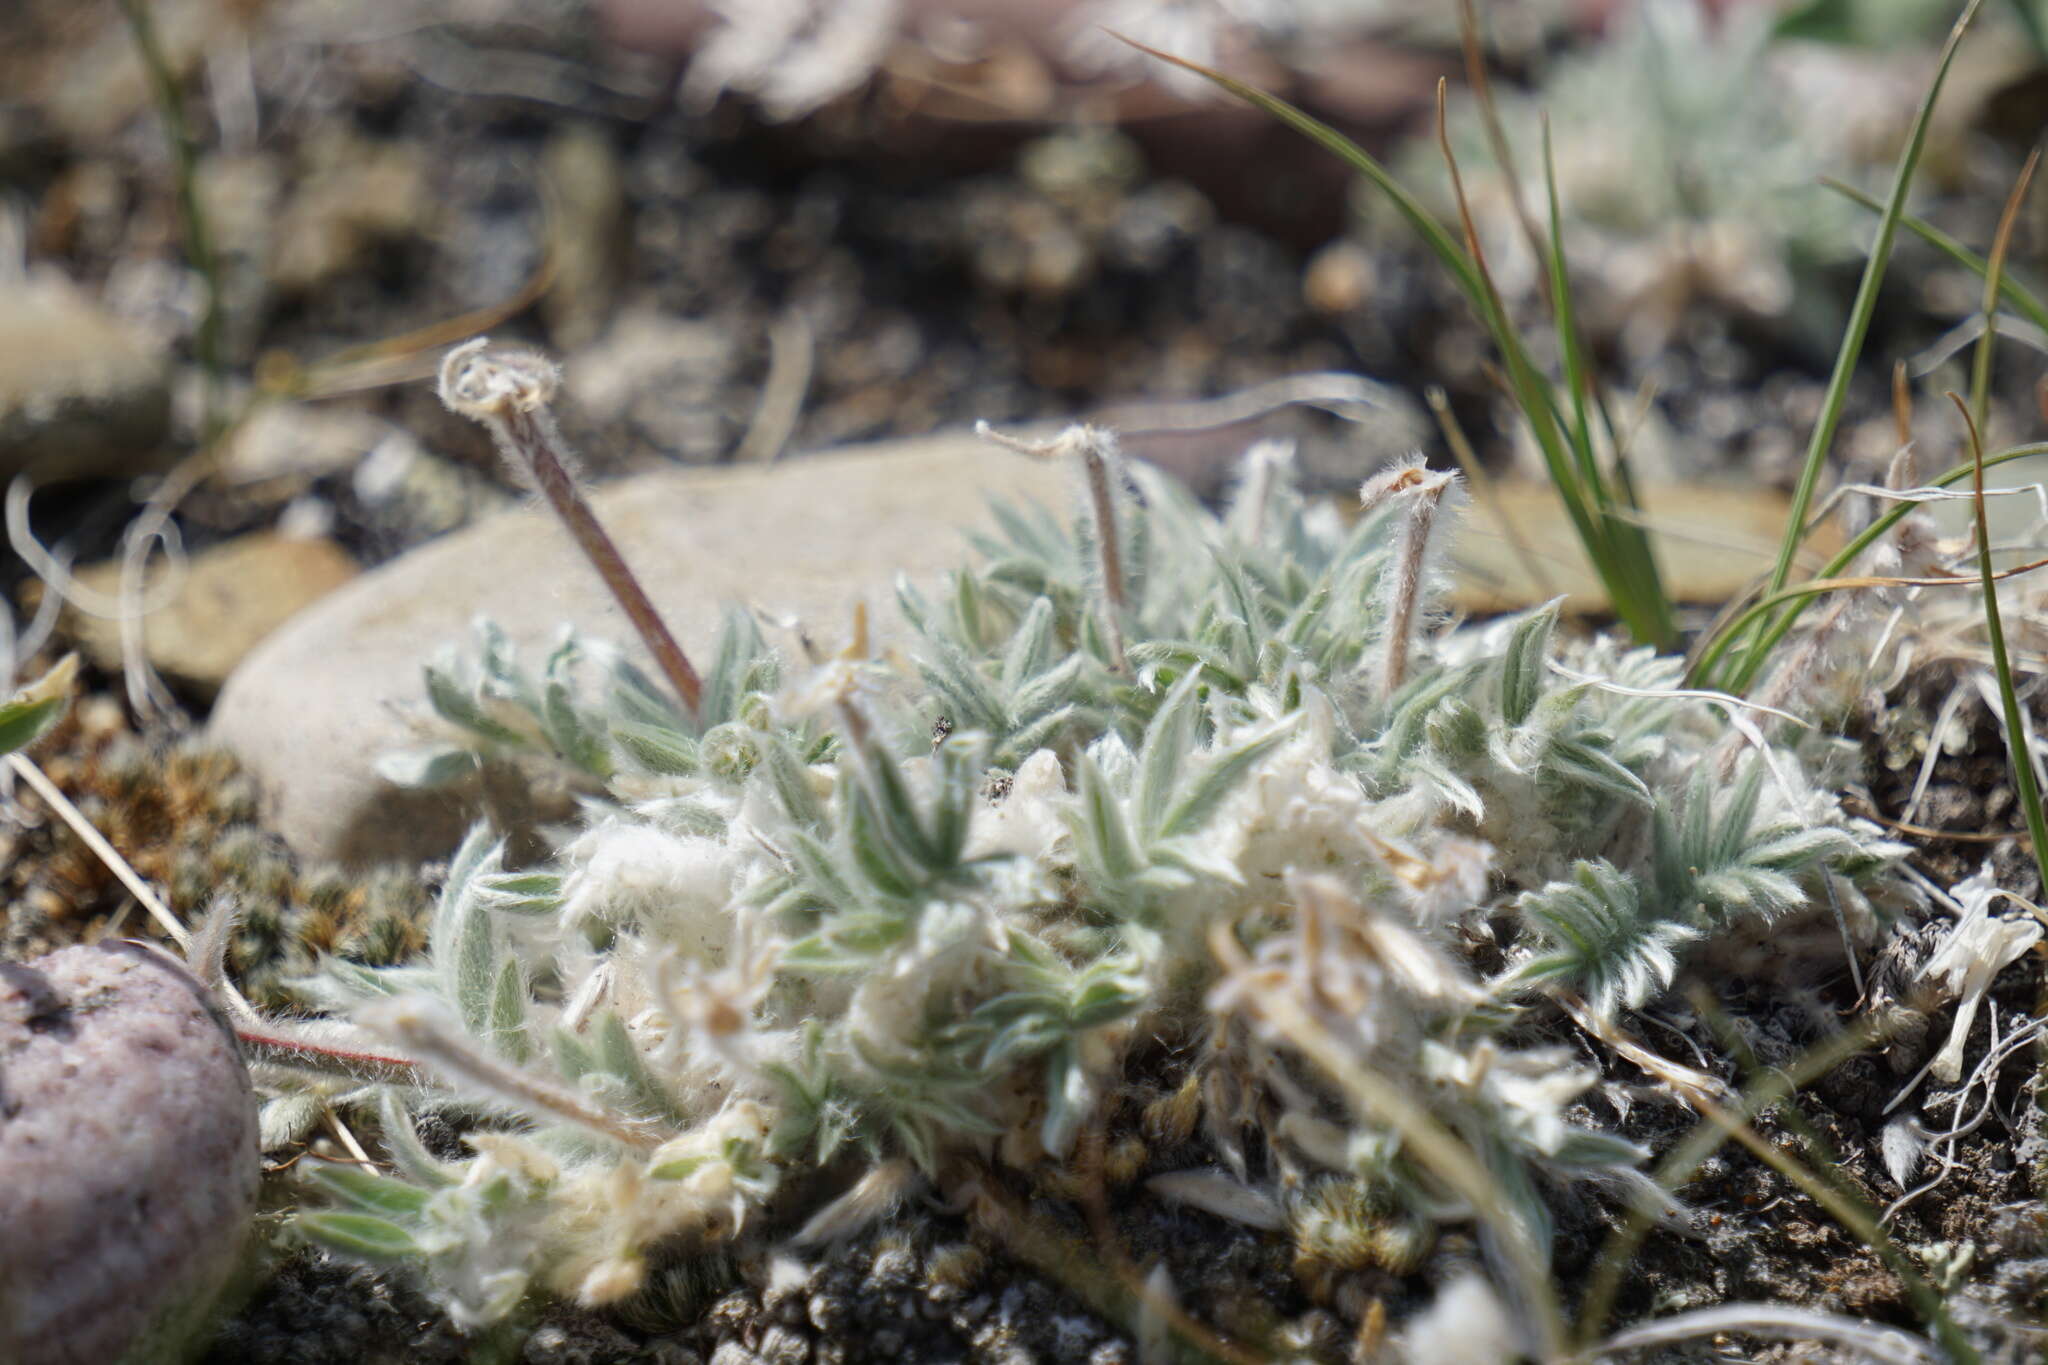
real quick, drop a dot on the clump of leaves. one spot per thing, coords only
(901, 911)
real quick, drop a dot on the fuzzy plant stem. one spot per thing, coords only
(508, 391)
(1419, 491)
(1097, 447)
(288, 1051)
(420, 1030)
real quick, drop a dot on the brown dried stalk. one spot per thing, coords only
(1097, 448)
(508, 391)
(1418, 491)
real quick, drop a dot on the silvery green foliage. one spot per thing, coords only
(909, 912)
(495, 708)
(1616, 935)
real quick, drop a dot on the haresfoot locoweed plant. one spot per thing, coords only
(1224, 780)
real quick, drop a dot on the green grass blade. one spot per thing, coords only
(1629, 542)
(1859, 321)
(2016, 295)
(1980, 364)
(1433, 233)
(2018, 751)
(1625, 583)
(34, 710)
(1799, 595)
(2033, 20)
(1575, 377)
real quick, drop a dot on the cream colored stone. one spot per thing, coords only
(311, 709)
(228, 599)
(1711, 543)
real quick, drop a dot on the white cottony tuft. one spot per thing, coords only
(1971, 957)
(1467, 1323)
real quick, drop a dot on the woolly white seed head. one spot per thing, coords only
(508, 391)
(482, 383)
(1410, 479)
(1028, 821)
(610, 1280)
(1467, 1322)
(677, 887)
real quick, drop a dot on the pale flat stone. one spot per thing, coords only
(311, 709)
(229, 598)
(1711, 543)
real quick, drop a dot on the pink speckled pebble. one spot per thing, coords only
(128, 1157)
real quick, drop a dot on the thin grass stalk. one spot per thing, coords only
(1435, 1147)
(1860, 1223)
(1529, 392)
(2017, 750)
(1042, 1244)
(1980, 362)
(1872, 1344)
(1489, 119)
(1575, 378)
(570, 508)
(1851, 350)
(1493, 311)
(1815, 587)
(163, 86)
(1160, 1308)
(1103, 503)
(1638, 559)
(2011, 290)
(1902, 408)
(1797, 597)
(508, 392)
(1578, 377)
(1567, 449)
(1823, 1183)
(440, 1046)
(1095, 446)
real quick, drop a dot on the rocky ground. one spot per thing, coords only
(722, 289)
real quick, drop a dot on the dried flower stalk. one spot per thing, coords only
(1097, 447)
(508, 391)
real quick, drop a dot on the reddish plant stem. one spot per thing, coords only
(341, 1054)
(508, 391)
(528, 434)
